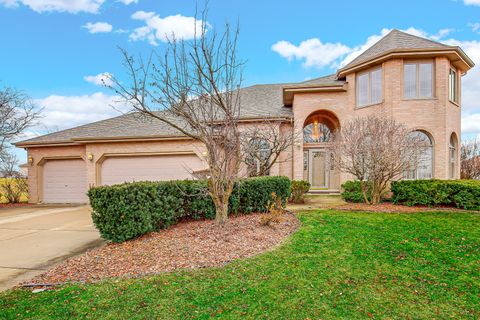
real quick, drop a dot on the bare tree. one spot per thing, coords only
(262, 145)
(13, 185)
(17, 113)
(470, 159)
(194, 88)
(375, 150)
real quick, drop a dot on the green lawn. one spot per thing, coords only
(338, 265)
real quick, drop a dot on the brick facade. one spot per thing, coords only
(437, 116)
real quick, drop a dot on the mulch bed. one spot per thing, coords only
(188, 245)
(389, 207)
(14, 205)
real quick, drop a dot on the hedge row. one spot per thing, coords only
(463, 194)
(128, 210)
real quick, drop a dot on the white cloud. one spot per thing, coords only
(442, 33)
(121, 31)
(69, 111)
(101, 79)
(312, 51)
(358, 50)
(9, 3)
(475, 26)
(157, 28)
(70, 6)
(98, 27)
(128, 2)
(472, 2)
(471, 123)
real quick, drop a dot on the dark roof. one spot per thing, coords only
(325, 81)
(395, 40)
(257, 101)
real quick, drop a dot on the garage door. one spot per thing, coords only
(149, 168)
(64, 181)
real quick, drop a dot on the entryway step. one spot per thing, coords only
(320, 191)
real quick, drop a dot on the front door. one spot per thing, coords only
(319, 175)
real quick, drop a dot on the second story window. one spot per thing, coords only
(453, 86)
(369, 87)
(418, 80)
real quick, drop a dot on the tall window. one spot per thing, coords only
(418, 80)
(257, 157)
(422, 168)
(453, 86)
(453, 156)
(369, 87)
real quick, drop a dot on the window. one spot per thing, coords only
(453, 86)
(453, 156)
(316, 132)
(257, 157)
(305, 165)
(418, 80)
(369, 87)
(422, 168)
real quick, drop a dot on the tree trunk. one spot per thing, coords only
(221, 210)
(364, 192)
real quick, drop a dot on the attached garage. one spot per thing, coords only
(64, 181)
(119, 169)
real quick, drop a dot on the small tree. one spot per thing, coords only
(194, 88)
(470, 159)
(262, 145)
(375, 150)
(17, 113)
(13, 185)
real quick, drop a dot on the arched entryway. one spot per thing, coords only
(318, 161)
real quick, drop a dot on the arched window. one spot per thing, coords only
(258, 154)
(316, 132)
(422, 168)
(453, 156)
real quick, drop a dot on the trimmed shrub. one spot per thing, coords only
(464, 194)
(352, 192)
(298, 191)
(128, 210)
(255, 194)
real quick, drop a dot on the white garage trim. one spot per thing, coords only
(62, 180)
(140, 166)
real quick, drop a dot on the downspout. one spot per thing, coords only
(293, 148)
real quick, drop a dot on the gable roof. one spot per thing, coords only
(397, 41)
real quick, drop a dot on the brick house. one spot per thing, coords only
(414, 80)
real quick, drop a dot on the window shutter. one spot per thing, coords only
(410, 80)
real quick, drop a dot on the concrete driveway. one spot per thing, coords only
(33, 238)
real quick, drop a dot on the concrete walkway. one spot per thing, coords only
(34, 238)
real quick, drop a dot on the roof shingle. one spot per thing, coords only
(395, 40)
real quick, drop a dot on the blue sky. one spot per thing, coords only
(55, 49)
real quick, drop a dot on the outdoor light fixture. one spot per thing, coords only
(30, 160)
(90, 156)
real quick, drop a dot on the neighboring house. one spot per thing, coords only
(414, 80)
